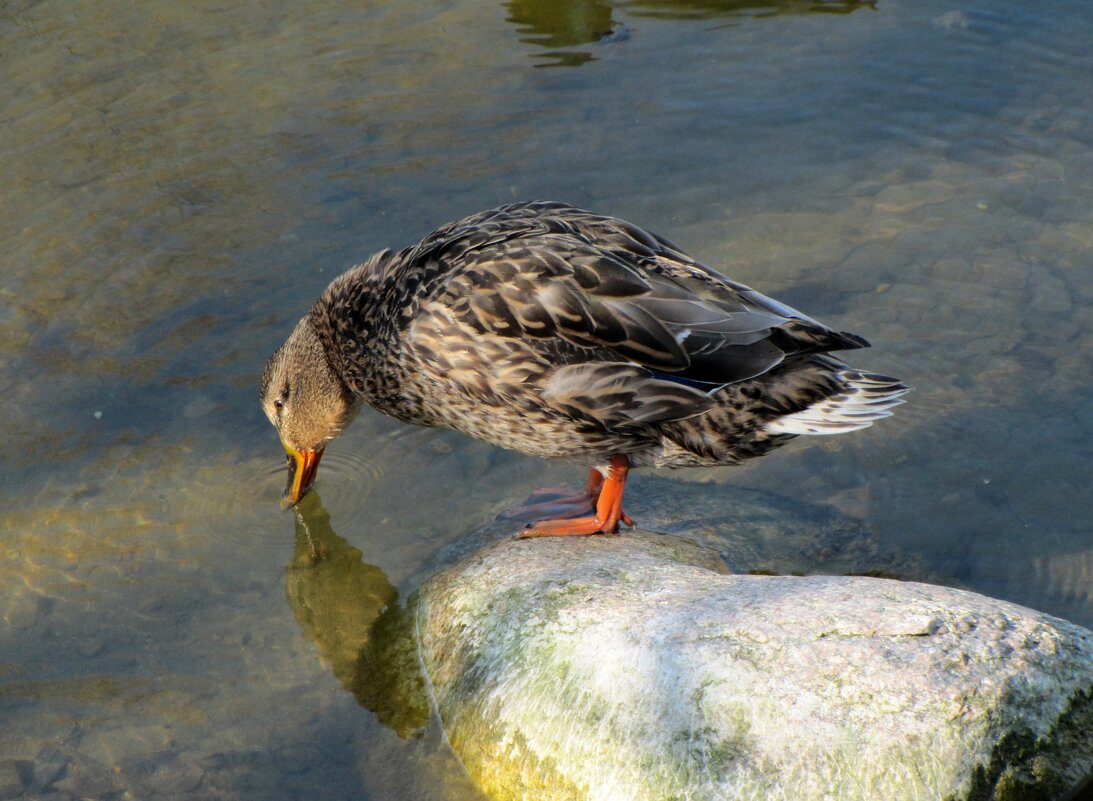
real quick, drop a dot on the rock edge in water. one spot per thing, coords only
(631, 668)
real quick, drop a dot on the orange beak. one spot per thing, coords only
(302, 466)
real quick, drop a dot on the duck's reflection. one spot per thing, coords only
(349, 610)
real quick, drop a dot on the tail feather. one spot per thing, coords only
(863, 399)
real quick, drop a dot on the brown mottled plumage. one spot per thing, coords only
(568, 335)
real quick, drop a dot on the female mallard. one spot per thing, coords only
(568, 335)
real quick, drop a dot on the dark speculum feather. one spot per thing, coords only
(729, 365)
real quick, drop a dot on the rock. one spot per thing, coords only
(630, 668)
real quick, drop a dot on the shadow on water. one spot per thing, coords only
(556, 25)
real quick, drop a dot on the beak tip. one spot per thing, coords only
(302, 466)
(290, 499)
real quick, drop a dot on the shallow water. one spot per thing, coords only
(180, 181)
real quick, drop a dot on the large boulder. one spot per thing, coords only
(635, 668)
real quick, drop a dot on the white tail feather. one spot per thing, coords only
(865, 398)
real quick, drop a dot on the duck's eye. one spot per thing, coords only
(279, 402)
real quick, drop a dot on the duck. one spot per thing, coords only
(568, 335)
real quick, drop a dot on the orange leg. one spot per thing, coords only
(595, 483)
(608, 507)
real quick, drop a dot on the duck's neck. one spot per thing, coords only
(356, 319)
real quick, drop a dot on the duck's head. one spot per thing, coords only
(307, 402)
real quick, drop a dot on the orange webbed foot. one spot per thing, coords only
(607, 496)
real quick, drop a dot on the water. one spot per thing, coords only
(180, 181)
